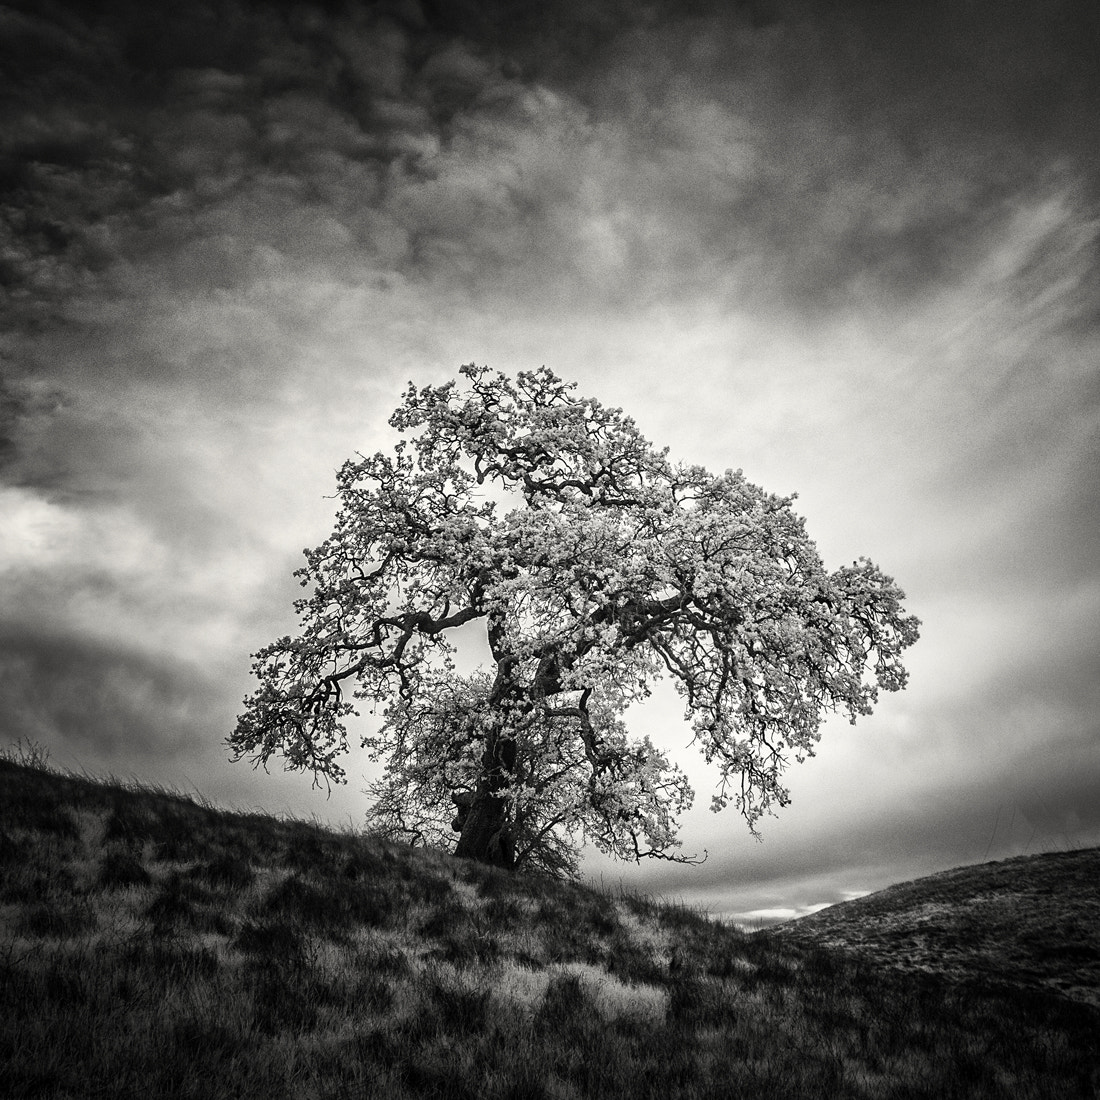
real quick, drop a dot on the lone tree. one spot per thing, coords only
(592, 566)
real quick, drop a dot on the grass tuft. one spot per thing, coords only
(225, 870)
(275, 941)
(567, 1005)
(122, 868)
(55, 919)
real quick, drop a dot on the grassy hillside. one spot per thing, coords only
(1031, 922)
(153, 946)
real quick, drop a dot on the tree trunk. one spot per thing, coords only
(485, 832)
(486, 835)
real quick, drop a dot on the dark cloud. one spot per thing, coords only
(101, 703)
(56, 449)
(828, 153)
(24, 410)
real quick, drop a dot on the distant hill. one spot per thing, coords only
(155, 946)
(1031, 921)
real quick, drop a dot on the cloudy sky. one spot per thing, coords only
(852, 248)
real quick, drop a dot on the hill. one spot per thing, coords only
(152, 945)
(1029, 922)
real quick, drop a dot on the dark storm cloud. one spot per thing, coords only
(99, 702)
(56, 448)
(64, 162)
(825, 154)
(24, 410)
(217, 134)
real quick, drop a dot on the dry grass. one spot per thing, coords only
(153, 946)
(1032, 922)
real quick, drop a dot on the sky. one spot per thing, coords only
(851, 248)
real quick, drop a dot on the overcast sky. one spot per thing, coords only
(852, 248)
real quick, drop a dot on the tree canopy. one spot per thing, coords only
(594, 566)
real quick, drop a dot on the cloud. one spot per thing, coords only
(867, 831)
(25, 408)
(103, 572)
(117, 706)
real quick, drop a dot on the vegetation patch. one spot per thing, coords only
(55, 919)
(121, 867)
(379, 971)
(226, 870)
(1032, 922)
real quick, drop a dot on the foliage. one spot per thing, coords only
(595, 566)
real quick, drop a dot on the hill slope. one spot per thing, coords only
(153, 946)
(1032, 921)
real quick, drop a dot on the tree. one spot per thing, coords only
(593, 566)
